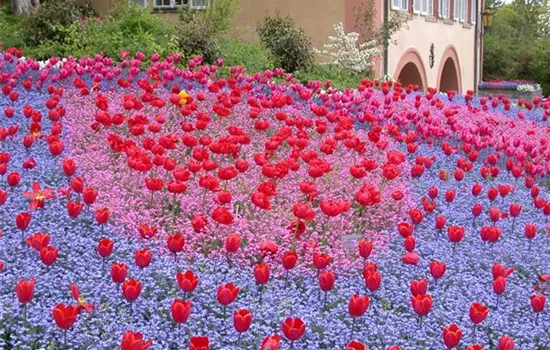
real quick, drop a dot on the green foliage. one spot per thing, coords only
(253, 57)
(199, 32)
(197, 37)
(540, 64)
(365, 16)
(340, 78)
(518, 28)
(289, 46)
(11, 28)
(50, 21)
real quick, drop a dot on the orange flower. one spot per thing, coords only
(38, 196)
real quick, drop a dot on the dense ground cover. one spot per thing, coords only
(377, 214)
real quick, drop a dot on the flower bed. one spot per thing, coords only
(244, 214)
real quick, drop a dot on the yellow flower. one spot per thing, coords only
(184, 97)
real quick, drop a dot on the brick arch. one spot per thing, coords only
(449, 76)
(410, 69)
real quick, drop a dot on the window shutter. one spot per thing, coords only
(138, 2)
(198, 4)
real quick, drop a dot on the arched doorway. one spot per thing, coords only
(410, 75)
(410, 70)
(449, 77)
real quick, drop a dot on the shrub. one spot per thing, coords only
(540, 63)
(288, 44)
(339, 77)
(51, 20)
(197, 37)
(253, 57)
(11, 28)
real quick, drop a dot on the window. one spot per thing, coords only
(191, 4)
(444, 8)
(163, 3)
(138, 2)
(460, 10)
(473, 11)
(423, 7)
(400, 5)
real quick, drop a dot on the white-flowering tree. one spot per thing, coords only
(344, 50)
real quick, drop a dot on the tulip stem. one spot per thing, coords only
(261, 292)
(184, 296)
(352, 327)
(224, 315)
(325, 301)
(475, 335)
(65, 339)
(25, 312)
(239, 338)
(286, 279)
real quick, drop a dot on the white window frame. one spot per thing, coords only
(130, 2)
(473, 12)
(400, 5)
(460, 10)
(444, 11)
(191, 4)
(417, 6)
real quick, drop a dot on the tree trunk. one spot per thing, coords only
(24, 7)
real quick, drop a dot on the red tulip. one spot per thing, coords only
(180, 310)
(499, 285)
(89, 196)
(271, 342)
(119, 272)
(143, 257)
(440, 222)
(199, 343)
(450, 195)
(77, 184)
(410, 258)
(74, 209)
(222, 215)
(477, 209)
(530, 231)
(242, 320)
(293, 328)
(416, 216)
(326, 280)
(38, 241)
(419, 287)
(290, 259)
(455, 233)
(537, 302)
(437, 269)
(134, 341)
(48, 255)
(494, 214)
(22, 220)
(499, 270)
(365, 249)
(261, 273)
(405, 229)
(422, 304)
(69, 167)
(65, 316)
(515, 209)
(478, 313)
(372, 280)
(474, 347)
(227, 293)
(451, 336)
(175, 243)
(321, 260)
(358, 305)
(232, 243)
(187, 281)
(105, 247)
(131, 289)
(102, 216)
(355, 345)
(409, 243)
(506, 343)
(25, 290)
(13, 179)
(147, 231)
